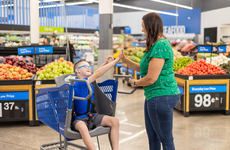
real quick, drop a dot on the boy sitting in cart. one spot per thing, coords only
(86, 118)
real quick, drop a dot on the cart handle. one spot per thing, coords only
(72, 81)
(125, 76)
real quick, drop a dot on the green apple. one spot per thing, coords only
(41, 76)
(38, 73)
(55, 70)
(55, 75)
(48, 70)
(47, 75)
(51, 76)
(55, 67)
(64, 70)
(60, 70)
(60, 66)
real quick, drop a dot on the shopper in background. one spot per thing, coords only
(71, 51)
(158, 81)
(54, 42)
(46, 42)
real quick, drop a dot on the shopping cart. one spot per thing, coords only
(54, 108)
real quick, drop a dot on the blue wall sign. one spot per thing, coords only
(204, 49)
(14, 96)
(10, 17)
(208, 88)
(191, 19)
(222, 49)
(26, 51)
(44, 50)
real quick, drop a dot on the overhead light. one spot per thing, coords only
(143, 9)
(79, 3)
(173, 4)
(7, 5)
(50, 0)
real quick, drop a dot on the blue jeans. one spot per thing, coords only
(159, 121)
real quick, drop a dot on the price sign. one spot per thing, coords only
(14, 109)
(211, 96)
(212, 100)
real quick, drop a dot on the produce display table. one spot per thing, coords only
(41, 84)
(16, 101)
(203, 93)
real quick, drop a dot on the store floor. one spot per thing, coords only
(200, 131)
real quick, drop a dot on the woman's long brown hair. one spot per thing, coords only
(154, 27)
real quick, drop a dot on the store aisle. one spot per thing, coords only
(200, 131)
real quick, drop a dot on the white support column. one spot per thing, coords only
(34, 21)
(106, 35)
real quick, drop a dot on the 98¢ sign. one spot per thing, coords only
(207, 96)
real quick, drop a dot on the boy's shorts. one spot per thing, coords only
(97, 118)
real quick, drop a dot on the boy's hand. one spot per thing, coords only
(108, 58)
(132, 82)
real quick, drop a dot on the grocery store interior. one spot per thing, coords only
(41, 40)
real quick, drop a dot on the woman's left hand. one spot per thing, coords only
(132, 82)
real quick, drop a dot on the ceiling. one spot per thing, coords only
(205, 5)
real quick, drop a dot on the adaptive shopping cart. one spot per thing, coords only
(54, 108)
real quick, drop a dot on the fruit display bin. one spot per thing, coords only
(203, 93)
(37, 85)
(16, 100)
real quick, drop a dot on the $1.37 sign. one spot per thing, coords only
(208, 96)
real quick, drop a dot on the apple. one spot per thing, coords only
(24, 77)
(11, 69)
(47, 75)
(1, 65)
(51, 76)
(38, 73)
(10, 63)
(61, 59)
(41, 76)
(55, 75)
(16, 77)
(4, 66)
(59, 70)
(54, 70)
(1, 73)
(55, 67)
(2, 78)
(30, 74)
(17, 69)
(14, 73)
(64, 70)
(48, 70)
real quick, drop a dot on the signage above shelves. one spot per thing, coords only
(212, 49)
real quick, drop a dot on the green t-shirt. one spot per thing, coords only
(166, 83)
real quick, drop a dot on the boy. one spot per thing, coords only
(81, 123)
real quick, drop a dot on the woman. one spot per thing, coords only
(71, 51)
(158, 81)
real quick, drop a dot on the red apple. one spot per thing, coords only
(2, 78)
(16, 77)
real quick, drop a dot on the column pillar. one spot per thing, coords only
(106, 35)
(34, 21)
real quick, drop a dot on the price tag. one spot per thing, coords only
(207, 100)
(38, 83)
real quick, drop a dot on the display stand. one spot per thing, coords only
(16, 101)
(203, 93)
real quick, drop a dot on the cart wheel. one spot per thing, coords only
(123, 81)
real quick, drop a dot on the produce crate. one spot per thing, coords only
(203, 93)
(16, 101)
(197, 77)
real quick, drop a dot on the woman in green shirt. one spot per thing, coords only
(158, 81)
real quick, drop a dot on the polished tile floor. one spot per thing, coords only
(199, 131)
